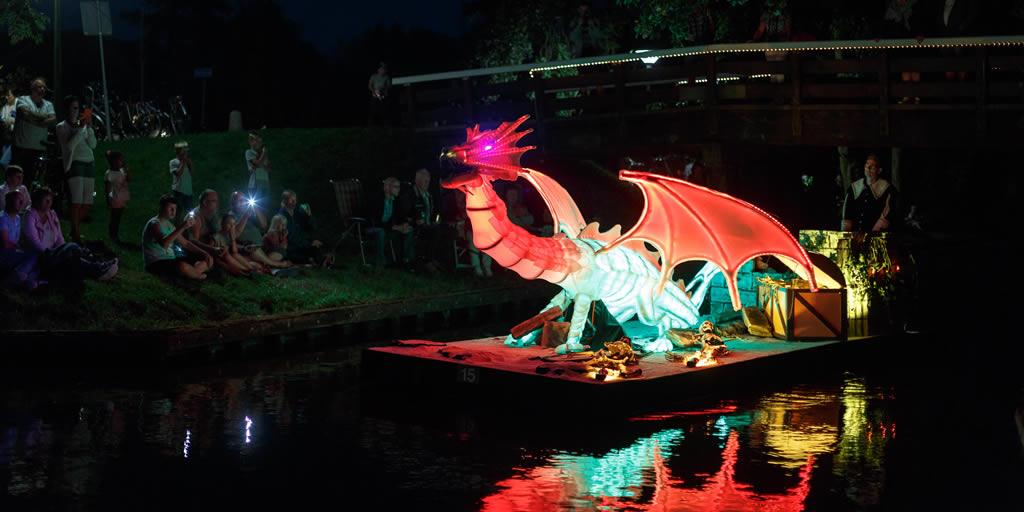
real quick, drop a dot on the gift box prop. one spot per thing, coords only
(796, 313)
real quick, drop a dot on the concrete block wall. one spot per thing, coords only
(746, 285)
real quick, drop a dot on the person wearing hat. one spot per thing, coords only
(182, 168)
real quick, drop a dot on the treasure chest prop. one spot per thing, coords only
(796, 313)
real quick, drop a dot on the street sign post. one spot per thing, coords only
(204, 74)
(96, 22)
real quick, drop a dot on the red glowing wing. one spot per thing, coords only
(688, 222)
(566, 215)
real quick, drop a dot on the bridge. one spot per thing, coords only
(827, 93)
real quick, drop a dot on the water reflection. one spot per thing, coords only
(786, 431)
(825, 444)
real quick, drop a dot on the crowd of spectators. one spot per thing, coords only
(417, 227)
(33, 250)
(186, 241)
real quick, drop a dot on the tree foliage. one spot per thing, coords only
(520, 31)
(22, 20)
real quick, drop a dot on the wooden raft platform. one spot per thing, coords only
(488, 366)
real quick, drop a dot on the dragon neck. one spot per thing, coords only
(511, 246)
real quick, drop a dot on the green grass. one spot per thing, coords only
(304, 160)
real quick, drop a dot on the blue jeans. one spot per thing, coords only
(405, 249)
(14, 260)
(65, 263)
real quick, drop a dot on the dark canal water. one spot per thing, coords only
(299, 433)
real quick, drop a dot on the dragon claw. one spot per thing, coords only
(526, 341)
(566, 348)
(661, 344)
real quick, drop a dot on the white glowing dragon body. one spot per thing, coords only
(613, 267)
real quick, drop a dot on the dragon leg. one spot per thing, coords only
(561, 300)
(580, 310)
(698, 286)
(671, 309)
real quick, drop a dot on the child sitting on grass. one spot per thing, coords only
(166, 251)
(226, 238)
(116, 183)
(247, 236)
(275, 242)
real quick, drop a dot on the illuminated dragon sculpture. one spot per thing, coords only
(682, 221)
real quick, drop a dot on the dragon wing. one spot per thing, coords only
(688, 222)
(564, 212)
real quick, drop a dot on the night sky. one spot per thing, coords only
(324, 23)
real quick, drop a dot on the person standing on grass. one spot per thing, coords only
(77, 140)
(166, 252)
(58, 261)
(182, 170)
(116, 185)
(33, 118)
(7, 115)
(258, 163)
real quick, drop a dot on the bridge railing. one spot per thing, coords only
(976, 75)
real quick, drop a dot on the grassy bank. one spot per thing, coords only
(304, 160)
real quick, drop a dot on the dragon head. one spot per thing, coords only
(489, 154)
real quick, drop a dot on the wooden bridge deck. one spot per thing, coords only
(831, 93)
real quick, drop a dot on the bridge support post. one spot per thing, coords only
(540, 110)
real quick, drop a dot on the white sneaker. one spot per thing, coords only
(109, 274)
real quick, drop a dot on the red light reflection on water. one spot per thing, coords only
(676, 414)
(553, 486)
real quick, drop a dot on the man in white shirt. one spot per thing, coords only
(33, 119)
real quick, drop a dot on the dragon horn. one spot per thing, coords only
(514, 137)
(507, 128)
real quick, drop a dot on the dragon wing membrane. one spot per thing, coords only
(688, 222)
(564, 212)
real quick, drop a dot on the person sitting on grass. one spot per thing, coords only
(206, 224)
(251, 222)
(226, 238)
(248, 237)
(390, 225)
(275, 242)
(117, 194)
(15, 176)
(302, 248)
(58, 261)
(166, 251)
(17, 267)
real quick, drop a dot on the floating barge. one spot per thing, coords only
(486, 366)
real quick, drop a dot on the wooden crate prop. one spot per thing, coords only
(800, 314)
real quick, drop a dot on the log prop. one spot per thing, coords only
(536, 322)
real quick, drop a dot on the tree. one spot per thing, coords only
(22, 20)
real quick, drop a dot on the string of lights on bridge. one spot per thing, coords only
(651, 56)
